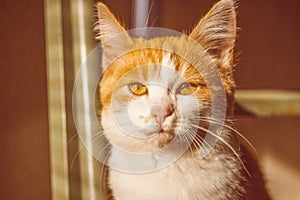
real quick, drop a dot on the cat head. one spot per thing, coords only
(153, 90)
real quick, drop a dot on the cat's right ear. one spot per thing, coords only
(112, 35)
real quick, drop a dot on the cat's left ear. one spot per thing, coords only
(112, 35)
(216, 32)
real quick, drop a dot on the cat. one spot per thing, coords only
(159, 92)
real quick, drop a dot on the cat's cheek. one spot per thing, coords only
(187, 105)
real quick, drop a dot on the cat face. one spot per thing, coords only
(153, 100)
(154, 90)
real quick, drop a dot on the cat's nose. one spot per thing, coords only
(160, 113)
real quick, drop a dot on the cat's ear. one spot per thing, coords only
(112, 35)
(216, 32)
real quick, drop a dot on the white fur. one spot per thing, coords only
(186, 179)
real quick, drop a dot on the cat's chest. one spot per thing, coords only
(184, 180)
(163, 184)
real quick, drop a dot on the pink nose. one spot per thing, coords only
(160, 113)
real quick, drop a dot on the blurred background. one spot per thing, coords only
(42, 48)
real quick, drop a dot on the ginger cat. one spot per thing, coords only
(160, 101)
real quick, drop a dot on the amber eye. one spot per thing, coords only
(138, 89)
(186, 89)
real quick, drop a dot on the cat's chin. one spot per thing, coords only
(164, 138)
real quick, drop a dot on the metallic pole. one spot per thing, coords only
(83, 42)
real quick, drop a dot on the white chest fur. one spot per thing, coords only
(185, 179)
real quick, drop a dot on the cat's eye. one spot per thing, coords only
(186, 89)
(138, 89)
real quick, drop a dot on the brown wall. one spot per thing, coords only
(24, 148)
(269, 42)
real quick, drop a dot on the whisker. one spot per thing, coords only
(104, 170)
(75, 156)
(82, 146)
(154, 21)
(227, 144)
(200, 142)
(149, 12)
(234, 130)
(72, 138)
(190, 148)
(196, 140)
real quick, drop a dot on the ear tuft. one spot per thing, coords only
(216, 32)
(112, 35)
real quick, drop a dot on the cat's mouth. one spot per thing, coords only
(164, 137)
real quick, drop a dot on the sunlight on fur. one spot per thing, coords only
(153, 97)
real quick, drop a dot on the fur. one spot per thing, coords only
(221, 174)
